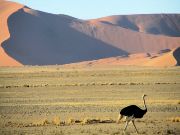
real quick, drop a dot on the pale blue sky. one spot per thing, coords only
(88, 9)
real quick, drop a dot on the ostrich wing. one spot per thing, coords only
(131, 110)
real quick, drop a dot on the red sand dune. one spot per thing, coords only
(126, 39)
(159, 24)
(167, 59)
(6, 9)
(39, 38)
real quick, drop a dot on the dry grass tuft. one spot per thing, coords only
(175, 119)
(70, 121)
(56, 121)
(41, 122)
(170, 132)
(97, 120)
(91, 121)
(107, 120)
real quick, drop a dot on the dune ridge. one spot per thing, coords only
(7, 8)
(158, 24)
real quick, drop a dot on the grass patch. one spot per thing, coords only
(97, 120)
(174, 119)
(41, 122)
(56, 121)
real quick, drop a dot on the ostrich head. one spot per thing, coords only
(144, 95)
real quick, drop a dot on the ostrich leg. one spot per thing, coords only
(135, 126)
(127, 122)
(128, 119)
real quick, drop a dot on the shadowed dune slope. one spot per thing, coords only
(176, 55)
(39, 38)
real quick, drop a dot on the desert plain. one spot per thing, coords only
(63, 100)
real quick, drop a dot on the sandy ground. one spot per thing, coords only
(58, 101)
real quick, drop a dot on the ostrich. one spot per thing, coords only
(131, 113)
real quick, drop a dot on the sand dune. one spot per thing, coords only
(126, 39)
(39, 38)
(6, 9)
(131, 60)
(159, 24)
(166, 59)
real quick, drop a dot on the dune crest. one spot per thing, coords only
(158, 24)
(7, 8)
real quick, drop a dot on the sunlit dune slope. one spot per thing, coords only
(169, 59)
(6, 9)
(166, 59)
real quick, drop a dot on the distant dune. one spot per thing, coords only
(167, 59)
(39, 38)
(158, 24)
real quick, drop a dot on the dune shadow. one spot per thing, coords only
(126, 23)
(47, 39)
(176, 55)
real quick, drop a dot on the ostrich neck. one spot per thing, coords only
(144, 104)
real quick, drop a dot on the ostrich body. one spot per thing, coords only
(131, 113)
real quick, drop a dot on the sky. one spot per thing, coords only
(90, 9)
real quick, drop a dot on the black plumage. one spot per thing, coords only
(134, 111)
